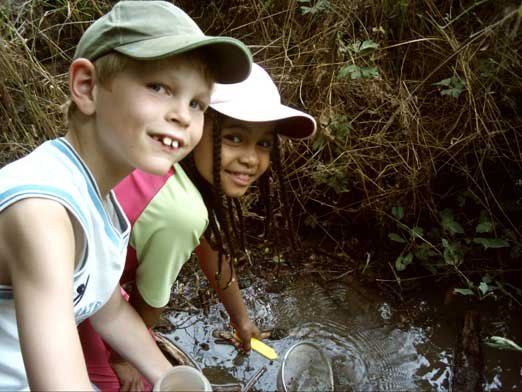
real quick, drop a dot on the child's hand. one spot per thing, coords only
(130, 378)
(247, 331)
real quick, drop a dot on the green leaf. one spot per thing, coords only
(396, 237)
(493, 243)
(417, 232)
(454, 85)
(463, 291)
(355, 47)
(369, 72)
(449, 223)
(452, 253)
(368, 45)
(483, 287)
(355, 72)
(452, 92)
(403, 261)
(397, 212)
(424, 252)
(484, 227)
(502, 343)
(443, 82)
(485, 224)
(453, 227)
(520, 10)
(351, 70)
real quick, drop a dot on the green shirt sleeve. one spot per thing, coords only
(165, 235)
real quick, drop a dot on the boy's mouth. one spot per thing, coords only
(168, 141)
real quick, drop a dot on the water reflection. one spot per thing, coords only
(370, 345)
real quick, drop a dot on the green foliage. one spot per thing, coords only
(490, 287)
(397, 212)
(332, 176)
(453, 86)
(403, 261)
(320, 6)
(444, 246)
(491, 243)
(355, 71)
(502, 343)
(448, 222)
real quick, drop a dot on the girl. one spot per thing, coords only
(186, 209)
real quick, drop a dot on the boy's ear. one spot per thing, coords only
(82, 81)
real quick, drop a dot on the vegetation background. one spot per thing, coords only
(415, 172)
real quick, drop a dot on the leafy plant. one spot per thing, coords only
(485, 288)
(320, 6)
(355, 71)
(502, 343)
(453, 86)
(448, 243)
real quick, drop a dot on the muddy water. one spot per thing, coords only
(372, 345)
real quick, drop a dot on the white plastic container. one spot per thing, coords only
(183, 378)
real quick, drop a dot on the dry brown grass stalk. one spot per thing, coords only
(387, 139)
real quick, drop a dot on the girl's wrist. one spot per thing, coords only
(242, 322)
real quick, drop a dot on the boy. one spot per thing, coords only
(182, 211)
(140, 82)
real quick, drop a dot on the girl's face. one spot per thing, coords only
(245, 153)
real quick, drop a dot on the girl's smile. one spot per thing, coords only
(241, 179)
(245, 153)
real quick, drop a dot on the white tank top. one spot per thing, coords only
(55, 171)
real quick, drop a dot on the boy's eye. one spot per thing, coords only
(198, 105)
(159, 88)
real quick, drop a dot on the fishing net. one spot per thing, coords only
(305, 368)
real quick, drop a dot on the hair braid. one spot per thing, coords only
(264, 198)
(241, 230)
(277, 164)
(218, 200)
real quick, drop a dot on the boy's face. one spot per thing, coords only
(245, 153)
(151, 115)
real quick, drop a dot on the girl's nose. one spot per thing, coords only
(249, 156)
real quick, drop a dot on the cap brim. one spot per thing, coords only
(290, 122)
(229, 59)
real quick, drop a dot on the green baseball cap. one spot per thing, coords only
(152, 30)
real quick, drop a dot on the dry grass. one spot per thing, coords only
(383, 141)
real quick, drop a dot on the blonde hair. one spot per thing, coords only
(111, 64)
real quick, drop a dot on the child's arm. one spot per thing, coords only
(231, 296)
(123, 329)
(38, 251)
(130, 378)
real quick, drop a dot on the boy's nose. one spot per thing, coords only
(179, 114)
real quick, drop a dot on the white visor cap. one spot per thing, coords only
(257, 99)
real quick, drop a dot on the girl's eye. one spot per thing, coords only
(233, 138)
(266, 144)
(159, 88)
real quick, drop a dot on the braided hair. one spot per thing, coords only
(225, 232)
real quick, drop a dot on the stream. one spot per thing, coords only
(371, 344)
